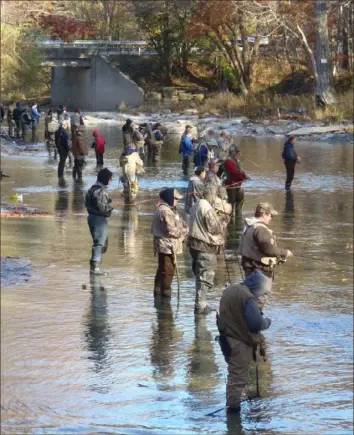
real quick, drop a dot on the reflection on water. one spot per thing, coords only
(101, 356)
(98, 332)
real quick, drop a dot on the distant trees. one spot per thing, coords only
(312, 34)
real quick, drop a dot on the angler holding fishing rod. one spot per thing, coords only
(209, 218)
(258, 245)
(290, 159)
(240, 322)
(169, 230)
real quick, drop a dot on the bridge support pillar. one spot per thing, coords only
(102, 87)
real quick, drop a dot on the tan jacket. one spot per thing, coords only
(79, 146)
(131, 164)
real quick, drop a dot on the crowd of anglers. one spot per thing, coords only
(208, 210)
(214, 195)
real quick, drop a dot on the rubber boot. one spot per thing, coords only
(95, 269)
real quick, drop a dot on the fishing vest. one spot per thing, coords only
(197, 228)
(249, 247)
(232, 322)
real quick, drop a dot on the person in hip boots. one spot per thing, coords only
(10, 121)
(195, 188)
(61, 138)
(187, 151)
(240, 321)
(99, 145)
(35, 116)
(290, 159)
(99, 208)
(235, 176)
(169, 231)
(208, 220)
(26, 122)
(16, 116)
(258, 248)
(80, 151)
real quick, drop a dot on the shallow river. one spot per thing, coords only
(99, 356)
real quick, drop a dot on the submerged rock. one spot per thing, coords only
(15, 270)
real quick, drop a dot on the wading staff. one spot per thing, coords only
(177, 274)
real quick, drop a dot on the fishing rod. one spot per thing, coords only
(321, 260)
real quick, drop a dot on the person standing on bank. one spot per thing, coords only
(99, 146)
(99, 208)
(62, 145)
(209, 218)
(169, 230)
(290, 159)
(258, 245)
(80, 151)
(240, 322)
(235, 176)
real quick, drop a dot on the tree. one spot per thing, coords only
(236, 29)
(164, 23)
(324, 73)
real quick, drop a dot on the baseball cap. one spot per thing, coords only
(234, 148)
(176, 194)
(266, 207)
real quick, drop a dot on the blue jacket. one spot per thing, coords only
(35, 114)
(187, 146)
(288, 151)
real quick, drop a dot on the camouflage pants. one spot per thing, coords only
(237, 379)
(203, 266)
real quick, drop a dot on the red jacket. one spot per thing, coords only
(233, 173)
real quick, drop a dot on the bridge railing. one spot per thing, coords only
(48, 43)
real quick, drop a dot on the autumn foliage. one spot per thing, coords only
(67, 28)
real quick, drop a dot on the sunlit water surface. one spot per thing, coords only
(99, 356)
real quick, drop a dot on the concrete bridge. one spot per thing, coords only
(83, 77)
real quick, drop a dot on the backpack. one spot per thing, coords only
(100, 145)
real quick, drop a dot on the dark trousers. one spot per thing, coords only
(164, 275)
(99, 159)
(61, 165)
(99, 231)
(236, 197)
(185, 164)
(290, 171)
(19, 129)
(78, 166)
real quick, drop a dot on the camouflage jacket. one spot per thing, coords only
(169, 230)
(97, 200)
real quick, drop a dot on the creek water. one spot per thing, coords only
(81, 355)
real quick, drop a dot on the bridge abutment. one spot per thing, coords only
(101, 87)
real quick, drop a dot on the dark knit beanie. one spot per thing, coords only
(104, 176)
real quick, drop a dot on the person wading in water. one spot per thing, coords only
(290, 159)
